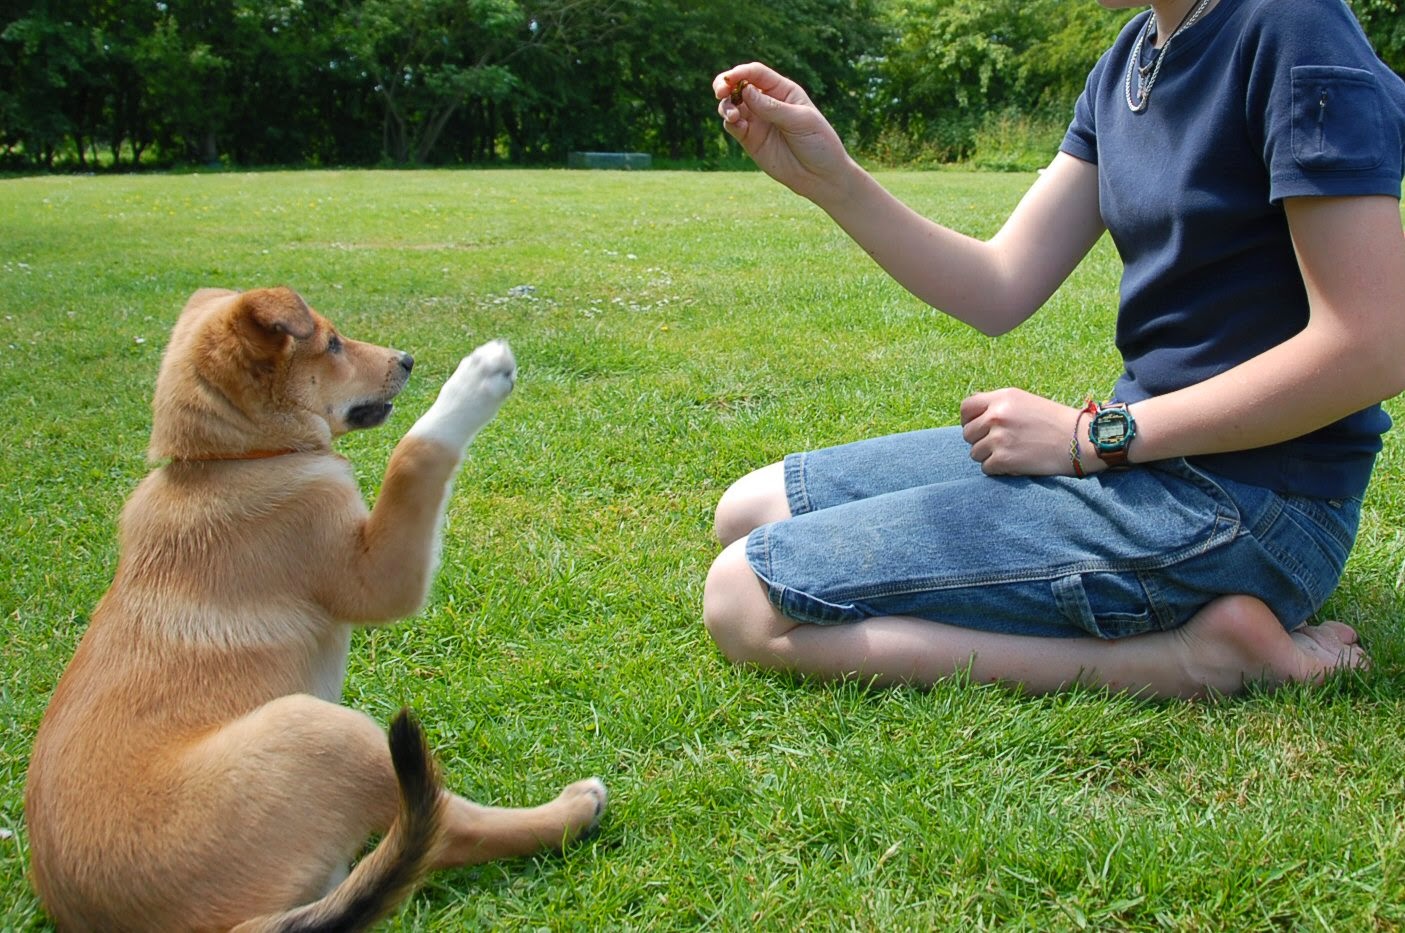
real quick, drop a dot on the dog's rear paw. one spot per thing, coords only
(585, 801)
(472, 395)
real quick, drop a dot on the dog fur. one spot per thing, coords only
(195, 769)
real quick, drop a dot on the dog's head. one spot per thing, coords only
(253, 372)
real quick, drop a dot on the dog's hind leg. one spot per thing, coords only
(475, 833)
(301, 784)
(297, 787)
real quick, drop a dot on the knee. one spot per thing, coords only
(750, 502)
(732, 520)
(300, 726)
(732, 599)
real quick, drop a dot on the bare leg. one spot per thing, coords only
(1232, 641)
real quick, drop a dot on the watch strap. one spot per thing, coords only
(1115, 459)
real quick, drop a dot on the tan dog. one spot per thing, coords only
(195, 769)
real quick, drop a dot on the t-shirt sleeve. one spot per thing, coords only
(1329, 117)
(1081, 140)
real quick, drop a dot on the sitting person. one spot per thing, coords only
(1246, 158)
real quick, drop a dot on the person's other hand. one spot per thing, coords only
(1014, 432)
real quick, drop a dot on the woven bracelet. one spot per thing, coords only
(1090, 407)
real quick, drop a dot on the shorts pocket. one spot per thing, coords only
(1105, 604)
(1336, 119)
(802, 607)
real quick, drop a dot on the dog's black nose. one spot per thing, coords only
(407, 362)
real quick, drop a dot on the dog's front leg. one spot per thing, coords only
(398, 546)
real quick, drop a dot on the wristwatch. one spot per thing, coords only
(1111, 432)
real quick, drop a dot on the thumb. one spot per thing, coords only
(774, 110)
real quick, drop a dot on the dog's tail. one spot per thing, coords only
(391, 871)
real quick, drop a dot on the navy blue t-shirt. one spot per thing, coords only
(1259, 101)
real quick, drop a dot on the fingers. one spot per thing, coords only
(1012, 431)
(974, 406)
(733, 117)
(975, 427)
(767, 94)
(763, 77)
(732, 120)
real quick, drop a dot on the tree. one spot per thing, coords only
(1384, 22)
(426, 58)
(361, 81)
(185, 76)
(947, 64)
(123, 119)
(53, 61)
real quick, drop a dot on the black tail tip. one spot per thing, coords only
(409, 753)
(405, 726)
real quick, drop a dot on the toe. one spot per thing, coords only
(1340, 631)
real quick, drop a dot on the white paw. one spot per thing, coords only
(487, 373)
(585, 803)
(471, 397)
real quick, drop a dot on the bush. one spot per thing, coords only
(1015, 142)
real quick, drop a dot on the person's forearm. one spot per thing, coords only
(950, 271)
(1347, 358)
(1303, 384)
(992, 285)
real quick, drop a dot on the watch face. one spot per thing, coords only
(1112, 433)
(1111, 430)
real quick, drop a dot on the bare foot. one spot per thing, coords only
(1236, 640)
(1333, 643)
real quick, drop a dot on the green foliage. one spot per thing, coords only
(1384, 22)
(51, 105)
(949, 65)
(683, 328)
(184, 80)
(426, 58)
(1012, 141)
(322, 82)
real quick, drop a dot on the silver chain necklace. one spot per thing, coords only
(1133, 63)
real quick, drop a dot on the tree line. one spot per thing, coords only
(124, 83)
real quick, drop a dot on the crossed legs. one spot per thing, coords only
(1232, 641)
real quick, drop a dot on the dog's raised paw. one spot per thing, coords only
(489, 371)
(472, 395)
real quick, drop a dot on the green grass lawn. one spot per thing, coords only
(679, 330)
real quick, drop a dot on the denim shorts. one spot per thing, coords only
(909, 525)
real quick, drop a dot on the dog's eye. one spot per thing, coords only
(334, 344)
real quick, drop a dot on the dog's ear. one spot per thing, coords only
(269, 317)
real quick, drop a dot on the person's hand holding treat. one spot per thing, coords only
(784, 132)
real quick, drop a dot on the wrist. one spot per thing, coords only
(1092, 463)
(1111, 432)
(848, 192)
(1083, 456)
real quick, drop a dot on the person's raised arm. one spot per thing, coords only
(991, 285)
